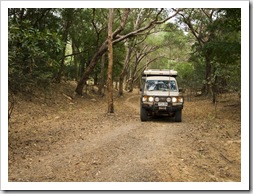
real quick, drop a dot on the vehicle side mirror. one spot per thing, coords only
(140, 89)
(180, 90)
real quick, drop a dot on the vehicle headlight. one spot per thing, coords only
(180, 99)
(174, 99)
(151, 99)
(144, 98)
(169, 99)
(156, 99)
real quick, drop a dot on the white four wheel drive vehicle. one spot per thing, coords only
(160, 94)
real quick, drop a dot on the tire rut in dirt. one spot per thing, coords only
(80, 160)
(140, 151)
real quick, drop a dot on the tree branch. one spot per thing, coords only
(153, 22)
(75, 53)
(122, 24)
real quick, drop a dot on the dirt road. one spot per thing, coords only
(76, 140)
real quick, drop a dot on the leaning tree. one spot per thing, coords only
(158, 16)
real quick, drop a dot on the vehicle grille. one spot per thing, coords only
(163, 99)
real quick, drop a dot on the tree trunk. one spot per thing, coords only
(214, 92)
(74, 50)
(89, 69)
(131, 85)
(123, 72)
(208, 88)
(65, 39)
(121, 80)
(133, 74)
(110, 64)
(215, 87)
(116, 84)
(102, 79)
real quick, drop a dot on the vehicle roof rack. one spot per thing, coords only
(159, 72)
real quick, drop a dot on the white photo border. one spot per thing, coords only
(243, 185)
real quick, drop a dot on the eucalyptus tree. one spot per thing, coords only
(86, 35)
(120, 34)
(172, 51)
(197, 22)
(217, 34)
(134, 55)
(138, 17)
(140, 53)
(178, 50)
(110, 63)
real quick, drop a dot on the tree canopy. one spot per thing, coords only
(50, 45)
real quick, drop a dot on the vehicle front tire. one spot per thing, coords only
(144, 114)
(178, 116)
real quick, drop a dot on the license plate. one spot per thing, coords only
(162, 103)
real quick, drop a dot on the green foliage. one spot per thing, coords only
(185, 74)
(88, 31)
(37, 38)
(226, 49)
(216, 52)
(32, 53)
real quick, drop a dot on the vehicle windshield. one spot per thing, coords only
(161, 85)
